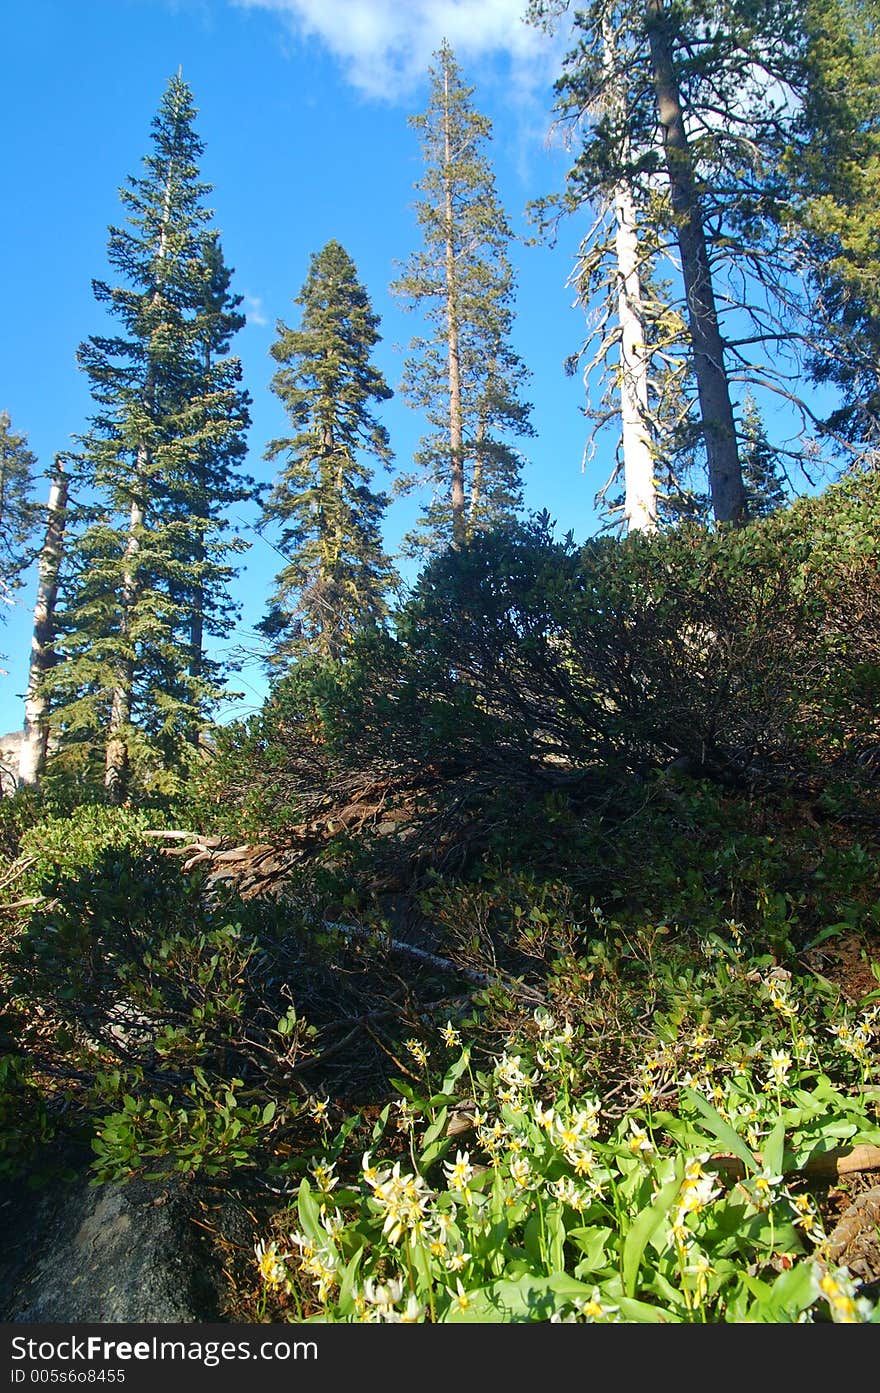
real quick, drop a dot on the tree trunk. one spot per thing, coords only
(640, 493)
(456, 420)
(35, 740)
(116, 759)
(476, 493)
(197, 636)
(725, 474)
(116, 762)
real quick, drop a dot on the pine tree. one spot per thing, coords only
(832, 201)
(685, 104)
(18, 514)
(463, 373)
(765, 486)
(336, 576)
(148, 575)
(35, 736)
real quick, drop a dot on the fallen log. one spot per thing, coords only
(828, 1165)
(392, 945)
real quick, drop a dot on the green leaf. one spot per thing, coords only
(644, 1313)
(437, 1127)
(647, 1224)
(774, 1147)
(592, 1242)
(721, 1129)
(457, 1069)
(346, 1286)
(309, 1215)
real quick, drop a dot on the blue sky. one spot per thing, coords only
(303, 109)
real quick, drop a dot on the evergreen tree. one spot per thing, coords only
(463, 373)
(336, 575)
(685, 105)
(18, 513)
(765, 487)
(832, 199)
(35, 736)
(148, 575)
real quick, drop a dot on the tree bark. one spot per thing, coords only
(35, 740)
(456, 419)
(640, 493)
(713, 388)
(116, 761)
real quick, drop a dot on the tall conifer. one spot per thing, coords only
(464, 373)
(833, 205)
(160, 468)
(686, 104)
(336, 573)
(18, 514)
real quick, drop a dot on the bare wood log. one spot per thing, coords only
(393, 945)
(828, 1165)
(243, 853)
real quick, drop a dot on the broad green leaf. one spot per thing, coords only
(456, 1071)
(721, 1129)
(309, 1215)
(437, 1127)
(346, 1286)
(645, 1225)
(774, 1147)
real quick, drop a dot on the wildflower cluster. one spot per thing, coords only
(554, 1207)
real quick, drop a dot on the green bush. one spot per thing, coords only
(521, 667)
(152, 1020)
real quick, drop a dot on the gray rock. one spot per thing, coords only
(74, 1252)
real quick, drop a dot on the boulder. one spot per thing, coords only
(123, 1253)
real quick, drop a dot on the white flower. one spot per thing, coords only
(459, 1173)
(780, 1064)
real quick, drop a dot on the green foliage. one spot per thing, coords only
(831, 203)
(145, 1017)
(523, 669)
(562, 1207)
(147, 575)
(18, 514)
(336, 572)
(765, 488)
(463, 373)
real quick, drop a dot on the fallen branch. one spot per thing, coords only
(393, 945)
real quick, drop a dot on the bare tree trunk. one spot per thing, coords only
(640, 492)
(197, 637)
(116, 760)
(456, 418)
(725, 474)
(476, 493)
(35, 740)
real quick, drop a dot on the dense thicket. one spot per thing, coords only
(522, 666)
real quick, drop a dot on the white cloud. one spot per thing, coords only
(254, 310)
(385, 46)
